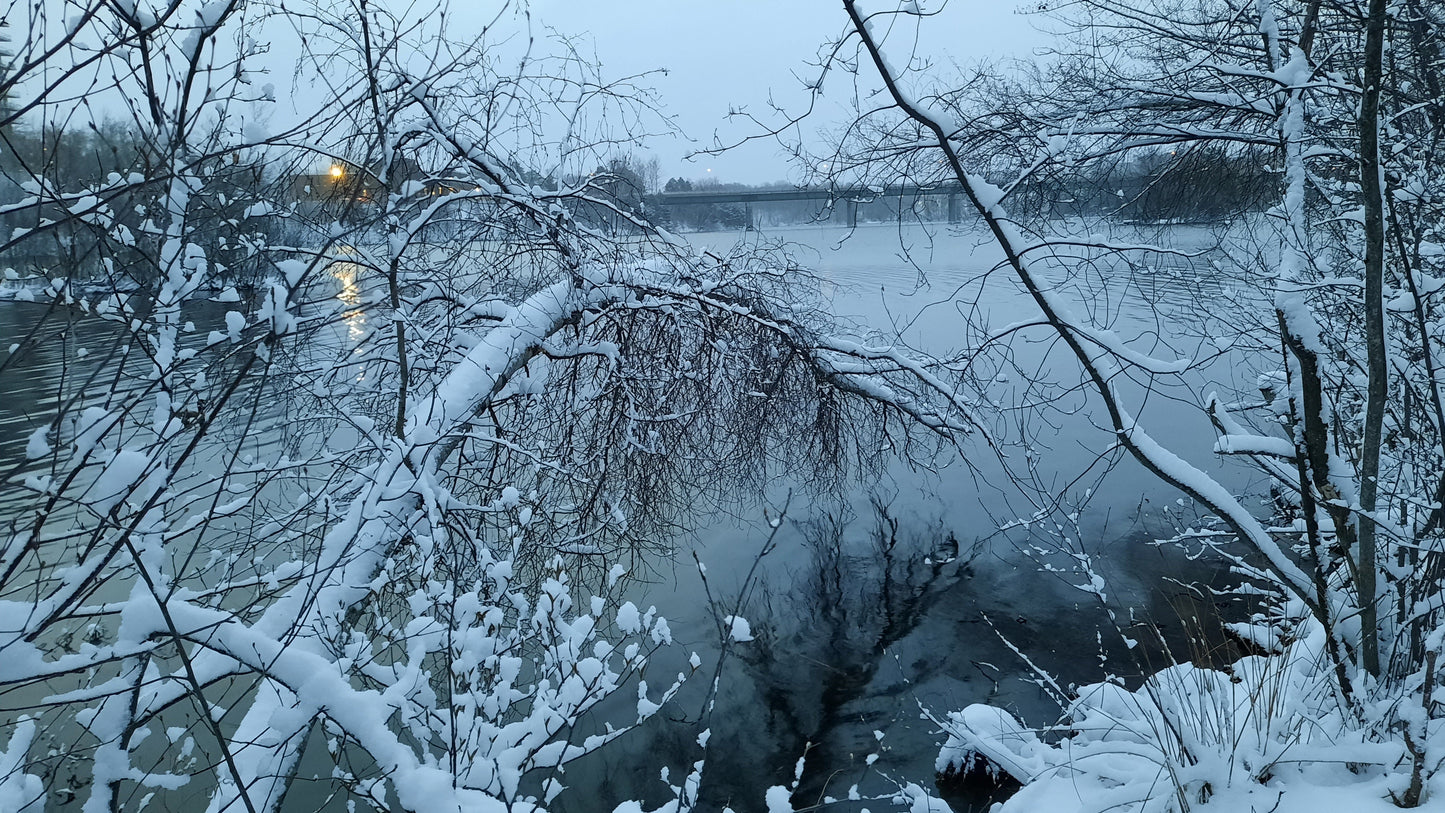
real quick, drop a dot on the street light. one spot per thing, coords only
(337, 172)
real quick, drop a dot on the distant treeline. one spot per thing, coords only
(1202, 184)
(1199, 185)
(1187, 185)
(43, 229)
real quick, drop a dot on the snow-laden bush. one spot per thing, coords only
(1267, 733)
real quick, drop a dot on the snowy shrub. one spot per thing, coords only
(1267, 733)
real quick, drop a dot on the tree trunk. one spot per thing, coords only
(1372, 190)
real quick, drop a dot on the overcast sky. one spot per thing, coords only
(719, 55)
(723, 54)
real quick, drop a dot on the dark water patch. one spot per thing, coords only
(821, 663)
(873, 641)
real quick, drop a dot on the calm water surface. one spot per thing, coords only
(894, 603)
(870, 622)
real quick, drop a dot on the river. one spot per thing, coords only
(904, 599)
(864, 626)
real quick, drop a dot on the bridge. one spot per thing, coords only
(852, 196)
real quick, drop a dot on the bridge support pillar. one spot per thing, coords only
(852, 214)
(748, 216)
(954, 210)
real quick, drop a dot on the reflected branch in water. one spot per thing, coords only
(823, 640)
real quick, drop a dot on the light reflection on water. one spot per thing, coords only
(68, 361)
(354, 317)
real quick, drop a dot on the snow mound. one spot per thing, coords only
(1268, 734)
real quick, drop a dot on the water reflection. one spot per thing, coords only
(821, 663)
(353, 316)
(876, 629)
